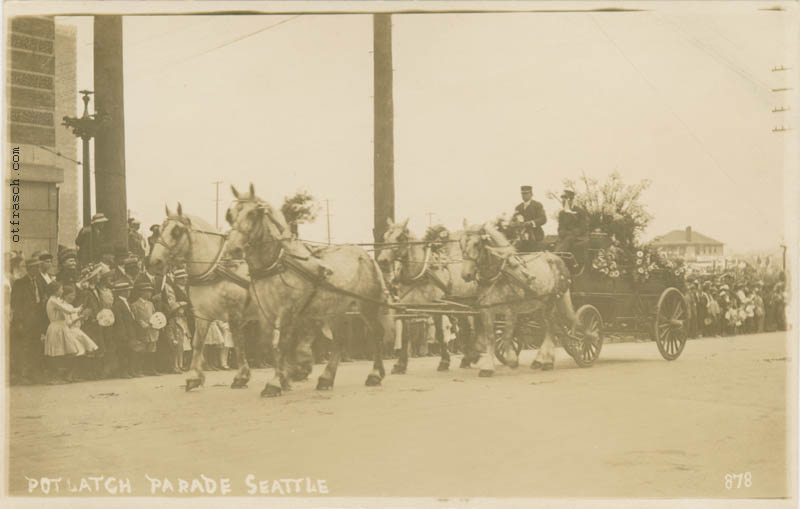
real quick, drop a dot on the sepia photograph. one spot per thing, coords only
(400, 254)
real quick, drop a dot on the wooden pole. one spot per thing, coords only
(384, 124)
(110, 189)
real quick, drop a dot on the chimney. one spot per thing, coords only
(688, 234)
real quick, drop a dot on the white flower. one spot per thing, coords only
(640, 270)
(639, 254)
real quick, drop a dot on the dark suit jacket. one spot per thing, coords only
(533, 212)
(30, 316)
(124, 324)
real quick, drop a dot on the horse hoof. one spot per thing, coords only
(193, 383)
(443, 366)
(323, 384)
(465, 363)
(270, 391)
(513, 365)
(239, 383)
(373, 381)
(536, 365)
(398, 370)
(547, 367)
(485, 373)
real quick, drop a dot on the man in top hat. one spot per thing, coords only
(531, 213)
(573, 226)
(91, 239)
(136, 242)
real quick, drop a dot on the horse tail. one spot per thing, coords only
(564, 304)
(379, 275)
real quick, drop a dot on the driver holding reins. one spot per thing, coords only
(531, 213)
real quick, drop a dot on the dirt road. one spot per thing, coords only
(633, 425)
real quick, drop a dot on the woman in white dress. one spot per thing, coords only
(63, 340)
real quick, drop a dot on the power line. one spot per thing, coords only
(219, 46)
(677, 117)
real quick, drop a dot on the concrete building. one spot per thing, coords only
(689, 245)
(41, 154)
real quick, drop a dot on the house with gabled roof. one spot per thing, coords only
(689, 245)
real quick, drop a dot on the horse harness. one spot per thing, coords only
(426, 274)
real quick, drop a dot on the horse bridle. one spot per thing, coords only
(189, 229)
(477, 263)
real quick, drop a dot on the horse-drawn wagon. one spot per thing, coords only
(635, 296)
(632, 296)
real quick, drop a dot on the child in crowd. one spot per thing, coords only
(64, 341)
(177, 334)
(146, 336)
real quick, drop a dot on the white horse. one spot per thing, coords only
(514, 284)
(290, 282)
(424, 273)
(217, 285)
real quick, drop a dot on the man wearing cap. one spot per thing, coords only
(124, 334)
(91, 239)
(68, 267)
(573, 225)
(136, 242)
(531, 214)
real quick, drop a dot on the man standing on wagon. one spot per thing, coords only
(531, 214)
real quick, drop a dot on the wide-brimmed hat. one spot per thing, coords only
(122, 285)
(99, 218)
(66, 254)
(142, 285)
(155, 227)
(568, 193)
(33, 260)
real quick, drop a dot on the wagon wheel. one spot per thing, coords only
(500, 346)
(585, 342)
(669, 328)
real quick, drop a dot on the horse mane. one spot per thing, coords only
(497, 240)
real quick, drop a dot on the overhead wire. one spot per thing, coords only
(669, 108)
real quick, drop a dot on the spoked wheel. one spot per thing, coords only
(669, 329)
(500, 346)
(585, 341)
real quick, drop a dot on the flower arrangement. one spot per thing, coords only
(299, 208)
(436, 235)
(612, 207)
(605, 262)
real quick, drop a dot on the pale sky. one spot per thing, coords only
(484, 103)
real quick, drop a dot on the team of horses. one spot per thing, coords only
(260, 271)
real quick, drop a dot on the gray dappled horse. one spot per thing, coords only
(514, 284)
(289, 282)
(217, 286)
(424, 273)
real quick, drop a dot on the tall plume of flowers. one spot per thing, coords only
(299, 208)
(612, 207)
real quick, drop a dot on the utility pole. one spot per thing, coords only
(328, 218)
(216, 201)
(85, 128)
(383, 175)
(430, 218)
